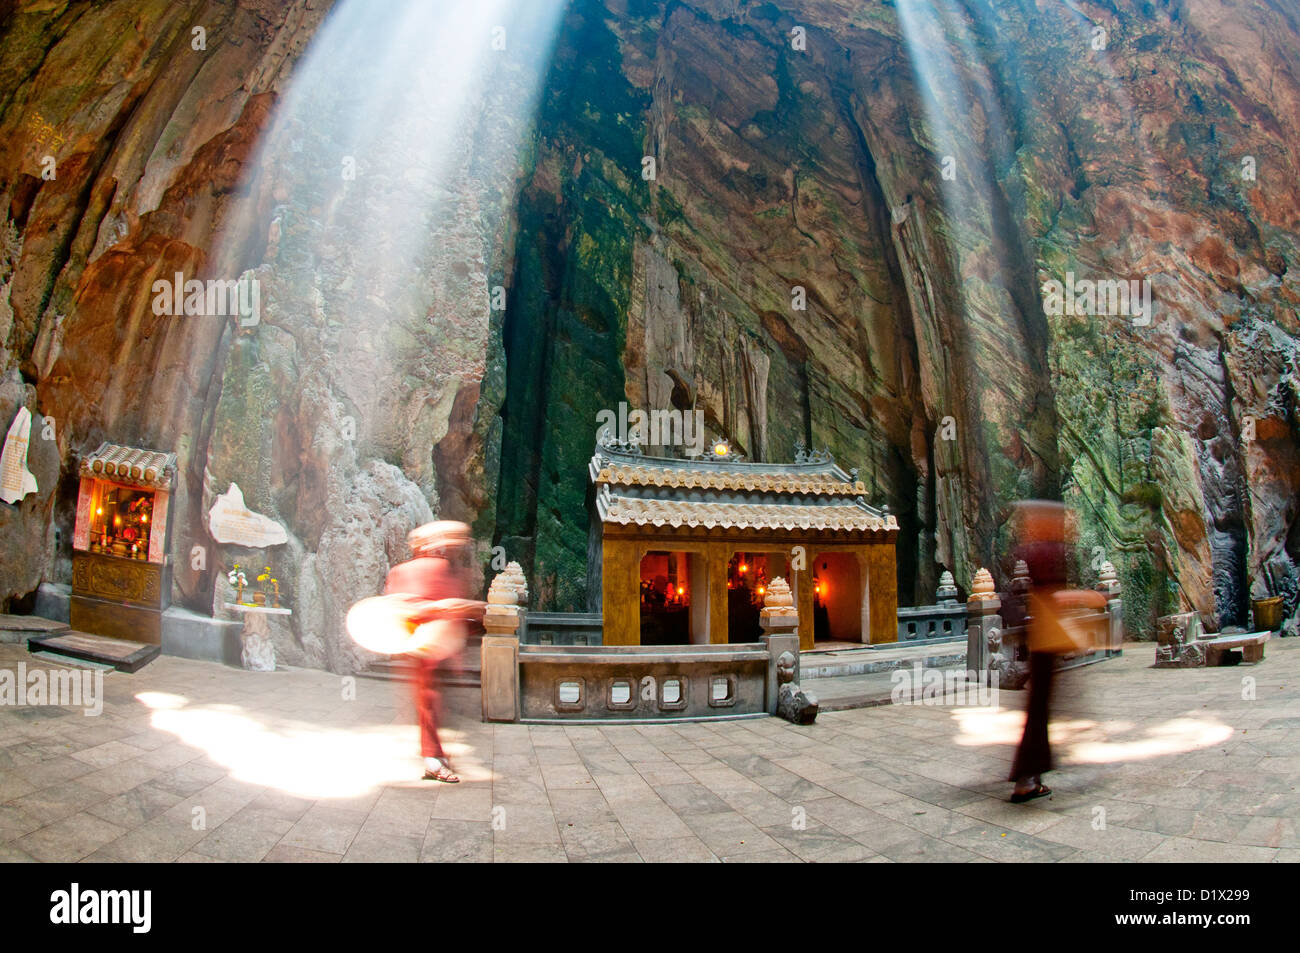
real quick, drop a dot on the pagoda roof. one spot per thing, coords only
(130, 465)
(722, 491)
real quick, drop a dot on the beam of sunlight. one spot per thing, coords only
(958, 63)
(400, 137)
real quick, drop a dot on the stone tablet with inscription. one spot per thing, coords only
(230, 521)
(16, 481)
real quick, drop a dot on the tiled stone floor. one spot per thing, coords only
(195, 762)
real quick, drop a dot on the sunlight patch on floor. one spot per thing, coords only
(1083, 741)
(297, 757)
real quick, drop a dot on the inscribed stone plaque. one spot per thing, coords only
(16, 481)
(230, 521)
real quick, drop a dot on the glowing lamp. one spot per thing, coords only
(681, 590)
(744, 568)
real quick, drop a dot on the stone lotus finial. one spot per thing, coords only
(1108, 578)
(778, 594)
(982, 588)
(502, 591)
(778, 614)
(947, 591)
(515, 574)
(1021, 582)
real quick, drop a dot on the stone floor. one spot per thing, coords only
(191, 761)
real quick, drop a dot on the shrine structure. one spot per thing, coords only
(689, 546)
(121, 568)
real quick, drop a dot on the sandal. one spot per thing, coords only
(442, 774)
(1041, 790)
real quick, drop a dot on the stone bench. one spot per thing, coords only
(1251, 645)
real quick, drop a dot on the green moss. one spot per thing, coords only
(670, 210)
(243, 427)
(565, 327)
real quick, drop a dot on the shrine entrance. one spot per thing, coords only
(674, 599)
(748, 574)
(840, 609)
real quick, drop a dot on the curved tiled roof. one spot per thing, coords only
(651, 512)
(150, 468)
(778, 482)
(812, 493)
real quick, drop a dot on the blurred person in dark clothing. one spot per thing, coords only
(1044, 540)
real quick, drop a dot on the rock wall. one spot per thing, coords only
(842, 240)
(128, 129)
(912, 174)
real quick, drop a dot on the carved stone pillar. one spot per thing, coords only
(983, 624)
(946, 594)
(500, 651)
(779, 620)
(1110, 586)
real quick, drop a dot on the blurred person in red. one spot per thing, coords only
(1044, 533)
(435, 589)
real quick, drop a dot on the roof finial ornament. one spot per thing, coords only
(608, 441)
(803, 455)
(722, 450)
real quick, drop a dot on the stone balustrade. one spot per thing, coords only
(943, 621)
(994, 645)
(577, 683)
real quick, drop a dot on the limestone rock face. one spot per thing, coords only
(847, 243)
(840, 238)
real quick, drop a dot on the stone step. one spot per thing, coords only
(16, 628)
(846, 692)
(123, 655)
(864, 661)
(391, 670)
(75, 662)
